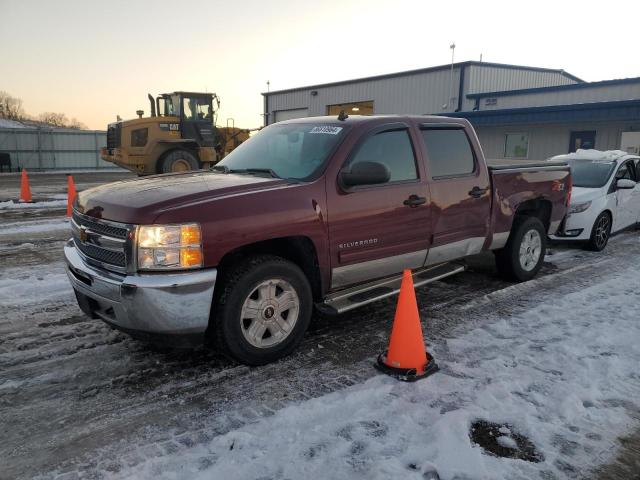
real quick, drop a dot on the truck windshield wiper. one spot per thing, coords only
(255, 170)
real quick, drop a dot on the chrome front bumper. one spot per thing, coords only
(148, 304)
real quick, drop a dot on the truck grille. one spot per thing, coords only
(108, 244)
(103, 228)
(113, 135)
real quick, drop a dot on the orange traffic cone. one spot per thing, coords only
(407, 358)
(25, 191)
(71, 195)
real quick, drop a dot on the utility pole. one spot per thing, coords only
(453, 50)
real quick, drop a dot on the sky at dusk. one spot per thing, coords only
(94, 60)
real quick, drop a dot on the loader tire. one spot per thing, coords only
(178, 161)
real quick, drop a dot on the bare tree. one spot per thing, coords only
(10, 107)
(76, 124)
(54, 119)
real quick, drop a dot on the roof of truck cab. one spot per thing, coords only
(359, 119)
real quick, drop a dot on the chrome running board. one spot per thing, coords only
(360, 295)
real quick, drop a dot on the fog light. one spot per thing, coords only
(573, 233)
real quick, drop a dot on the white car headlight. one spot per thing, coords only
(579, 207)
(169, 247)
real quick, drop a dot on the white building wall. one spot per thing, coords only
(548, 140)
(417, 94)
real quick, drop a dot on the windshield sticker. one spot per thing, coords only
(327, 130)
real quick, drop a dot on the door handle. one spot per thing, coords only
(477, 192)
(414, 201)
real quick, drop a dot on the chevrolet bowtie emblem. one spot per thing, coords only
(83, 234)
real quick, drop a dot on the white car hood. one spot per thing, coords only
(582, 194)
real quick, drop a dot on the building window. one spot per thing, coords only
(516, 145)
(352, 108)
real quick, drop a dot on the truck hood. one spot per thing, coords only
(141, 200)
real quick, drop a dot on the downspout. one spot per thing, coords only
(266, 109)
(461, 87)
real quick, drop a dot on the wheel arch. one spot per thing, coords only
(539, 208)
(300, 250)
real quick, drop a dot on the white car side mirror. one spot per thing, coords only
(625, 183)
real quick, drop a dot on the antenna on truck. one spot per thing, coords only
(342, 116)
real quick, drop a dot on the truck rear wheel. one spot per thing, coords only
(263, 310)
(179, 161)
(522, 257)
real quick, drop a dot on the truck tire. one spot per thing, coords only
(263, 310)
(178, 161)
(521, 258)
(600, 233)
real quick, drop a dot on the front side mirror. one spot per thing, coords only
(625, 184)
(365, 173)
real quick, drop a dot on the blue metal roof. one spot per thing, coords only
(573, 86)
(582, 112)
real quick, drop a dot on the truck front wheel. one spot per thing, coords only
(521, 258)
(178, 161)
(263, 310)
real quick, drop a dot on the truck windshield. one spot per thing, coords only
(591, 174)
(291, 151)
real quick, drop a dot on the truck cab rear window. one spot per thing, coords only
(448, 152)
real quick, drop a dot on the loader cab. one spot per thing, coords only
(196, 112)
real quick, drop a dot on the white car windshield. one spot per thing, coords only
(294, 151)
(591, 174)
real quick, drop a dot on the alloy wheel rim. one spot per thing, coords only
(269, 313)
(602, 231)
(530, 250)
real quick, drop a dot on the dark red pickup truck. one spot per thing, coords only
(316, 211)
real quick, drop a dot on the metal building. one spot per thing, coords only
(53, 148)
(520, 112)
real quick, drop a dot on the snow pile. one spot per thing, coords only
(10, 204)
(5, 123)
(593, 155)
(20, 289)
(563, 374)
(38, 226)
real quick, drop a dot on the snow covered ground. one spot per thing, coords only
(555, 359)
(564, 374)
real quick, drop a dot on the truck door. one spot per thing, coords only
(378, 230)
(197, 120)
(460, 193)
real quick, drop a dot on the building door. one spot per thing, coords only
(585, 139)
(379, 230)
(282, 115)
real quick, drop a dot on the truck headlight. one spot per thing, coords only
(169, 247)
(579, 207)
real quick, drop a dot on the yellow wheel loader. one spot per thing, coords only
(180, 135)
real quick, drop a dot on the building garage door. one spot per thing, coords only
(282, 115)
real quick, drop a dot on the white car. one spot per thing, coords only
(605, 197)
